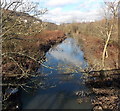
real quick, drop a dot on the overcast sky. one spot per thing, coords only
(67, 11)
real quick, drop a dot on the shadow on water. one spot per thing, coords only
(60, 80)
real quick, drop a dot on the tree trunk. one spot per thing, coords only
(105, 47)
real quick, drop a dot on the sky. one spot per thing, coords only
(68, 11)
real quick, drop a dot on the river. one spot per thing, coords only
(60, 80)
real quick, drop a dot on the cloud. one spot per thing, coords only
(56, 3)
(59, 16)
(67, 11)
(66, 57)
(56, 11)
(68, 52)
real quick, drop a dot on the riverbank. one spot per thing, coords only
(105, 88)
(104, 84)
(21, 64)
(91, 40)
(34, 48)
(93, 49)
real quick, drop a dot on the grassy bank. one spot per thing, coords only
(92, 42)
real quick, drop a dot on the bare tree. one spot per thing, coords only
(19, 23)
(111, 15)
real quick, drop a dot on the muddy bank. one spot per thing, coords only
(105, 88)
(49, 38)
(103, 83)
(21, 64)
(30, 50)
(93, 49)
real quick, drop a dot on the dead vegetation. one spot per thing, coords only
(98, 39)
(24, 43)
(100, 42)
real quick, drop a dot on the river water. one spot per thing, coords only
(60, 79)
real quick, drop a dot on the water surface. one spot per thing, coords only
(61, 78)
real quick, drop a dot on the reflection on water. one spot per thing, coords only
(68, 53)
(58, 91)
